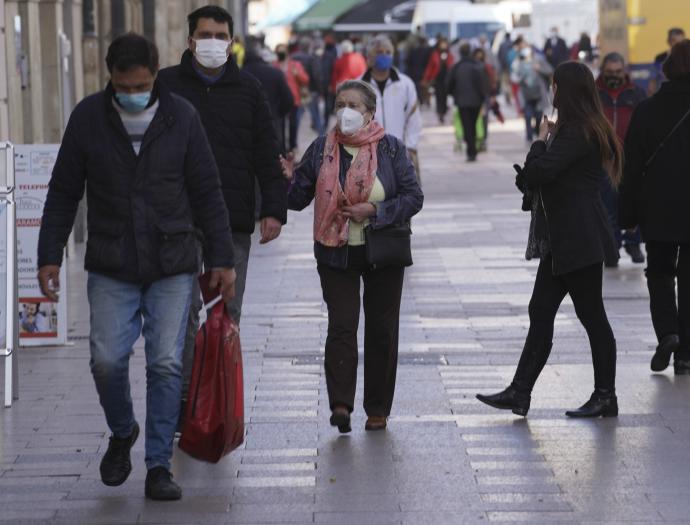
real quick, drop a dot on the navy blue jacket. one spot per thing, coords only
(404, 197)
(238, 121)
(141, 208)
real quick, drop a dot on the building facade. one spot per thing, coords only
(52, 53)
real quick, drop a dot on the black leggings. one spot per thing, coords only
(584, 286)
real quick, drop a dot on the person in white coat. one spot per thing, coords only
(397, 108)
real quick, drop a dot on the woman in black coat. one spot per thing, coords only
(571, 236)
(656, 196)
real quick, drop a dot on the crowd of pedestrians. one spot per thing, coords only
(180, 164)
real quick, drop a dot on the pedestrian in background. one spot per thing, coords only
(555, 49)
(238, 122)
(312, 65)
(619, 98)
(142, 155)
(656, 197)
(436, 74)
(675, 36)
(358, 177)
(349, 66)
(531, 74)
(479, 55)
(298, 80)
(505, 64)
(571, 236)
(330, 55)
(397, 109)
(275, 88)
(468, 83)
(417, 60)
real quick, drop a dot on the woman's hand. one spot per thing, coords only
(546, 128)
(359, 212)
(288, 165)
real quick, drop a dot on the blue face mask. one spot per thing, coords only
(383, 62)
(133, 102)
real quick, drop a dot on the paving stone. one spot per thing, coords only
(445, 458)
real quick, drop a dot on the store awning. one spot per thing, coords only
(285, 14)
(321, 16)
(375, 16)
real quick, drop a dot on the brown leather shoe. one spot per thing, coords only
(376, 423)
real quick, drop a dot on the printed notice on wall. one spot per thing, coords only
(3, 274)
(41, 322)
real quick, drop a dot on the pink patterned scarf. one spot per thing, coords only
(330, 227)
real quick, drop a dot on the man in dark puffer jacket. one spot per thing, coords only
(143, 157)
(239, 125)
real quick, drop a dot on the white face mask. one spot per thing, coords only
(349, 121)
(211, 52)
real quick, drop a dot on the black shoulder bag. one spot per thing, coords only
(663, 143)
(389, 246)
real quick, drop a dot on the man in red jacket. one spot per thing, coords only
(349, 66)
(619, 98)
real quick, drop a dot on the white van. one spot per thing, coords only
(464, 20)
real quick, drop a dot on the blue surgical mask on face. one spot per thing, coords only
(133, 102)
(383, 62)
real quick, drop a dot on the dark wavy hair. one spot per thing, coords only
(578, 104)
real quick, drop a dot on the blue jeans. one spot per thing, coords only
(315, 113)
(120, 313)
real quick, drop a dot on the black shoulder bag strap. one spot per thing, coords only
(663, 143)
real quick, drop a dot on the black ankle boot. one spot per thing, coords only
(602, 403)
(681, 367)
(509, 399)
(667, 347)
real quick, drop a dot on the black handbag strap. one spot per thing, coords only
(663, 142)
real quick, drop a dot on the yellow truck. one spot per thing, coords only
(638, 29)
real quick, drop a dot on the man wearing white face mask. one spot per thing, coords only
(238, 122)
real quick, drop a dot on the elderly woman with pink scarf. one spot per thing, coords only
(360, 179)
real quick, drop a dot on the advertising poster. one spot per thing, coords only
(41, 322)
(3, 274)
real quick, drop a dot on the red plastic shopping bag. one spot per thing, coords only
(214, 420)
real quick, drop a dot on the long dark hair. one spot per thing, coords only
(577, 102)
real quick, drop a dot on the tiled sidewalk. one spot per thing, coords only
(445, 459)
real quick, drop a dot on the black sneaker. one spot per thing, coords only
(116, 463)
(160, 485)
(635, 253)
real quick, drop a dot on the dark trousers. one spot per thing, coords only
(328, 109)
(584, 286)
(381, 298)
(293, 123)
(610, 197)
(468, 117)
(668, 263)
(441, 98)
(533, 117)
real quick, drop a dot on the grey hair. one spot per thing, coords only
(378, 42)
(364, 88)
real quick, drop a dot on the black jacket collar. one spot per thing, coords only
(230, 75)
(675, 86)
(394, 76)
